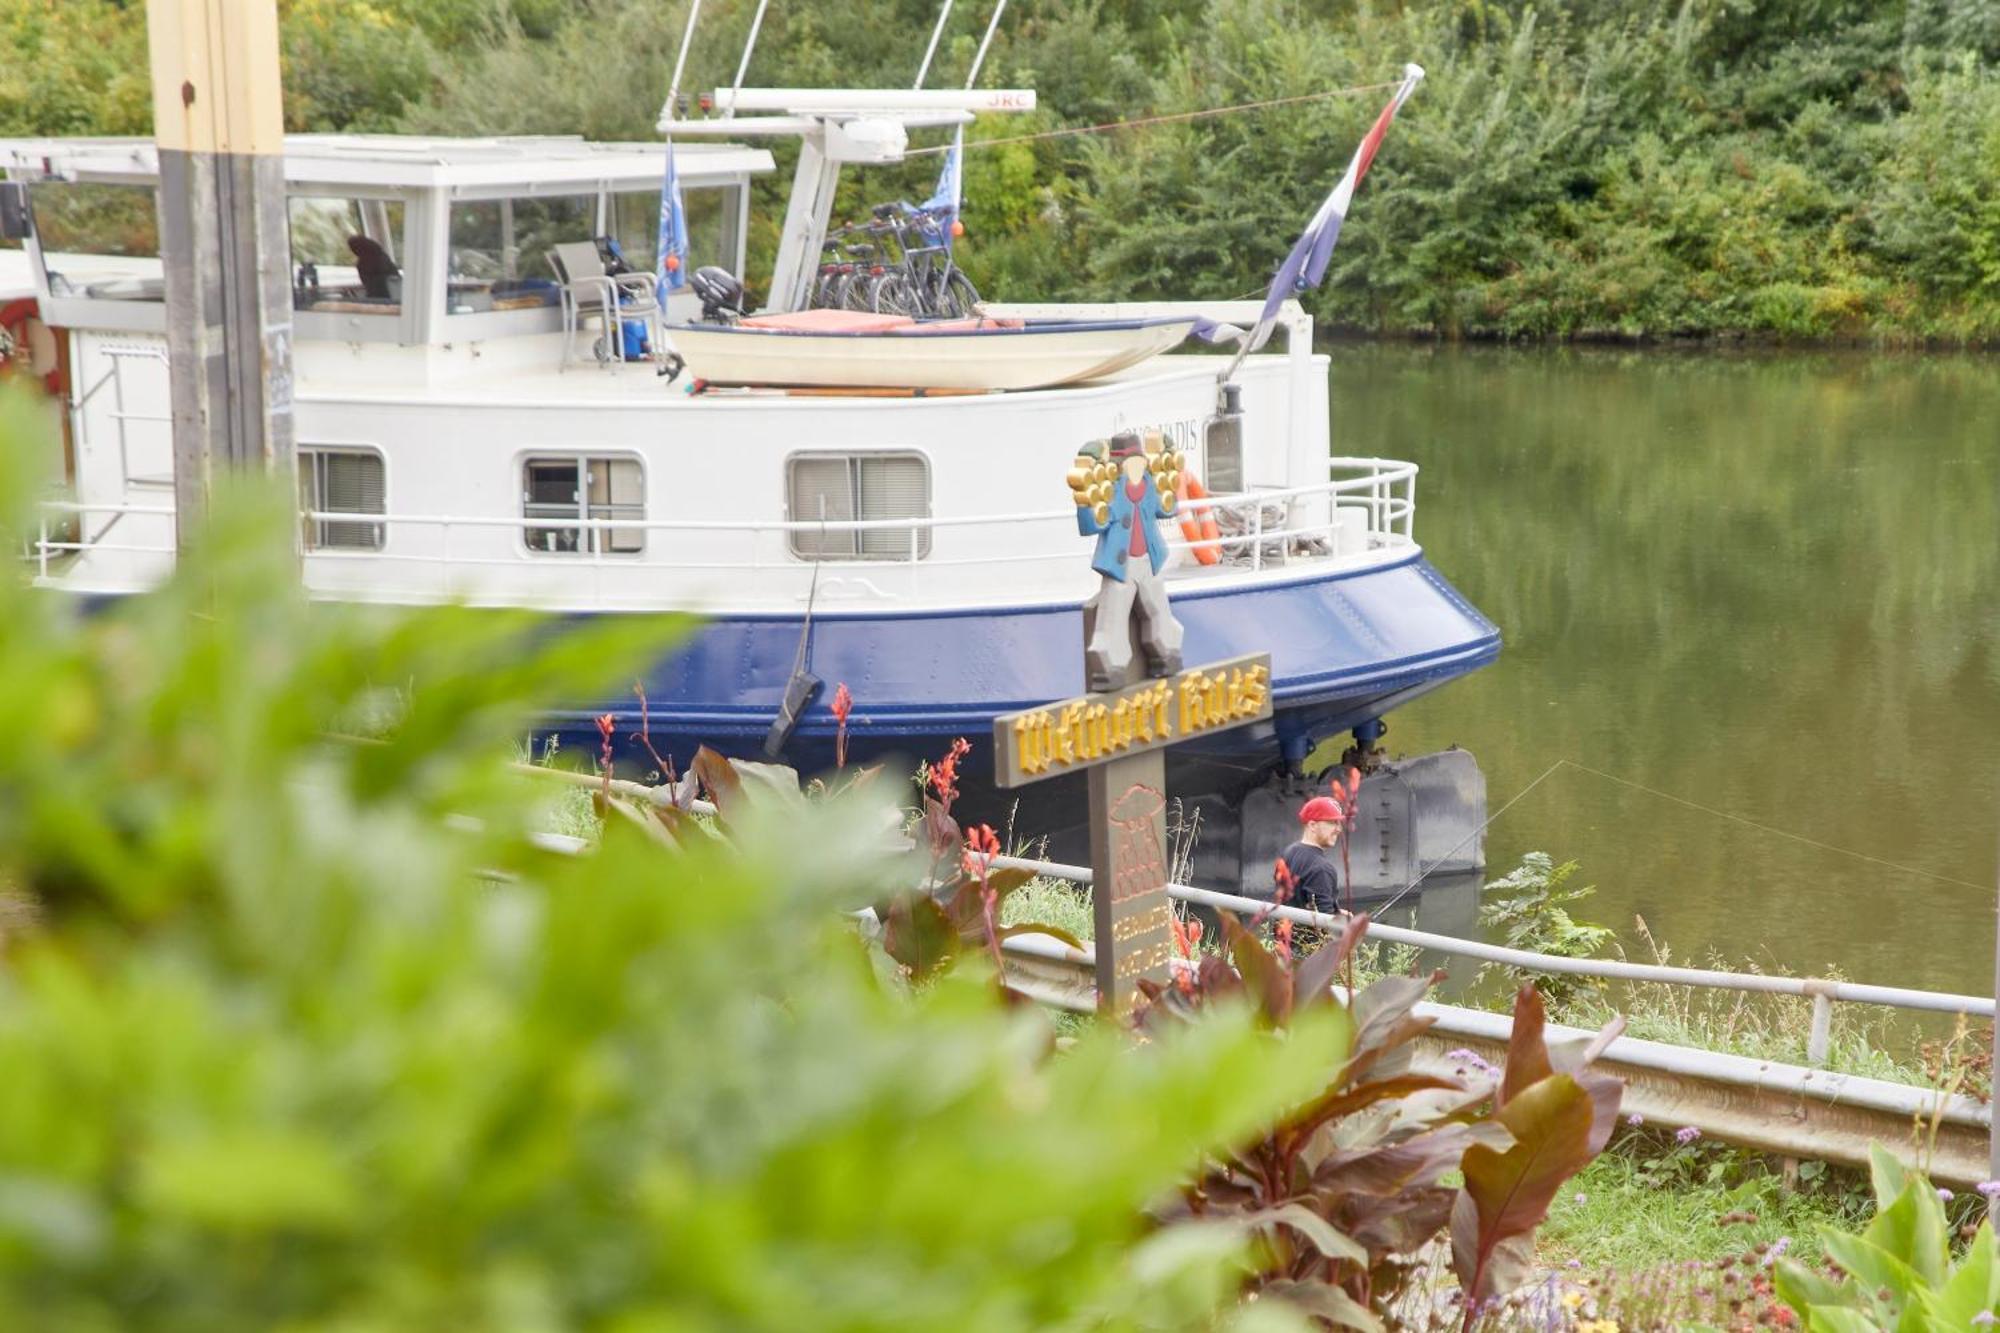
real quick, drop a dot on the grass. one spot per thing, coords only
(1648, 1200)
(1050, 902)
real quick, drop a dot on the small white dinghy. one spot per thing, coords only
(851, 349)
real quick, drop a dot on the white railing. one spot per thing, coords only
(1370, 508)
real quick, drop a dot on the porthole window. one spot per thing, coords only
(571, 488)
(836, 488)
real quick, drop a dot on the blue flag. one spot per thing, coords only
(672, 247)
(944, 201)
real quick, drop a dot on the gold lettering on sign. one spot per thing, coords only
(1079, 732)
(1248, 691)
(1144, 960)
(1096, 730)
(1142, 923)
(1194, 703)
(1065, 734)
(1123, 729)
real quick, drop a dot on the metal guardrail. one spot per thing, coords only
(1770, 1106)
(1819, 991)
(1766, 1105)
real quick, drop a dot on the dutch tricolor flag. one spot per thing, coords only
(1306, 264)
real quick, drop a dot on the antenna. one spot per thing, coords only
(681, 60)
(991, 27)
(931, 50)
(743, 65)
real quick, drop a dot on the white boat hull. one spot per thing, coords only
(1029, 357)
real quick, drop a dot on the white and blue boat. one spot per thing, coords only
(918, 547)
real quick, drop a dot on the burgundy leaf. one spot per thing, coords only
(1263, 974)
(1527, 1052)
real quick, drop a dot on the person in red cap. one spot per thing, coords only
(1315, 882)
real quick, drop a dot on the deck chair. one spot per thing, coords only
(589, 292)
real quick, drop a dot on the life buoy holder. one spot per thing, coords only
(1197, 521)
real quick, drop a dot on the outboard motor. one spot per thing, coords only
(720, 292)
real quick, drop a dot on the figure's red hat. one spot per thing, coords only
(1320, 808)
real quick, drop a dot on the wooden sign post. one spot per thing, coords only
(1119, 738)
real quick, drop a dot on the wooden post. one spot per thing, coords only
(218, 119)
(1119, 739)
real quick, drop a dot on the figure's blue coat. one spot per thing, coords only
(1114, 537)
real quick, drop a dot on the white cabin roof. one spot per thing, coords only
(410, 161)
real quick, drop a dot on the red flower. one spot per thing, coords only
(1281, 877)
(1284, 932)
(843, 704)
(606, 724)
(980, 843)
(944, 773)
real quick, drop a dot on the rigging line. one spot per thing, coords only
(1376, 912)
(1171, 118)
(1766, 828)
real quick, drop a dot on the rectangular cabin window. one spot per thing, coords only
(559, 488)
(499, 258)
(835, 488)
(342, 481)
(712, 213)
(347, 254)
(99, 240)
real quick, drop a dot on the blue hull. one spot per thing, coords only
(1346, 647)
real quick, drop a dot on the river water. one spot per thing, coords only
(1751, 609)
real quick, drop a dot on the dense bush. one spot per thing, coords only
(1801, 169)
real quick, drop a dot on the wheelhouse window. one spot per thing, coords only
(712, 215)
(347, 254)
(837, 488)
(341, 481)
(99, 240)
(561, 488)
(499, 256)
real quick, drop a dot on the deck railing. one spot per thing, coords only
(1369, 505)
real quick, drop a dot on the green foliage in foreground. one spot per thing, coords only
(308, 1035)
(1900, 1272)
(1794, 169)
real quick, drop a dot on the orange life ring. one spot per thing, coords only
(1198, 522)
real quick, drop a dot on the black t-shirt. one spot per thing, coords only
(1315, 883)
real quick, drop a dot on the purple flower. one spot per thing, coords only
(1686, 1134)
(1778, 1247)
(1470, 1059)
(1984, 1317)
(1989, 1188)
(1581, 1197)
(1944, 1195)
(1635, 1120)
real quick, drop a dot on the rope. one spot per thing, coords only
(1400, 893)
(1692, 805)
(1766, 828)
(1169, 119)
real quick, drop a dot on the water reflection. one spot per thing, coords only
(1763, 585)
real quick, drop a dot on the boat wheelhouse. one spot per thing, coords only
(454, 442)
